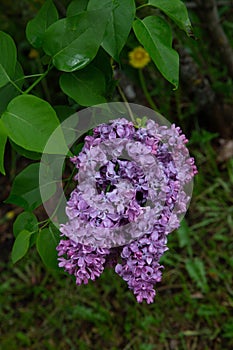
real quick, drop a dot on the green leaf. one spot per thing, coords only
(63, 112)
(176, 10)
(81, 37)
(21, 245)
(37, 26)
(196, 270)
(46, 244)
(119, 24)
(87, 87)
(8, 92)
(30, 121)
(76, 7)
(8, 56)
(26, 190)
(25, 221)
(102, 61)
(155, 35)
(23, 152)
(3, 139)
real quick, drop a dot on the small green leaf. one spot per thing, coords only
(26, 190)
(8, 58)
(196, 270)
(3, 139)
(21, 245)
(155, 35)
(76, 7)
(37, 26)
(176, 10)
(81, 38)
(30, 122)
(25, 221)
(47, 241)
(119, 24)
(8, 92)
(87, 87)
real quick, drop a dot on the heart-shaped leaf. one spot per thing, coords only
(26, 188)
(73, 42)
(119, 24)
(87, 86)
(37, 26)
(21, 245)
(30, 121)
(155, 35)
(46, 244)
(176, 10)
(25, 221)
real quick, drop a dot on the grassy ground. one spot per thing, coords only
(194, 303)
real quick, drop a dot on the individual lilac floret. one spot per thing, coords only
(82, 261)
(142, 198)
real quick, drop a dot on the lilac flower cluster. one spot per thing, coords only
(82, 261)
(130, 195)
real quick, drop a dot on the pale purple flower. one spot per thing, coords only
(130, 196)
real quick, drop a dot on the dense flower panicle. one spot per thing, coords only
(130, 196)
(82, 261)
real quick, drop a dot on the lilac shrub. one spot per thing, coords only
(130, 195)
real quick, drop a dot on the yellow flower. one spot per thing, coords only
(33, 54)
(139, 58)
(10, 215)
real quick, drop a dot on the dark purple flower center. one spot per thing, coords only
(115, 170)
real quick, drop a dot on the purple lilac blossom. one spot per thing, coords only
(129, 197)
(82, 261)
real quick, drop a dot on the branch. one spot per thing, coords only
(213, 112)
(197, 86)
(208, 13)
